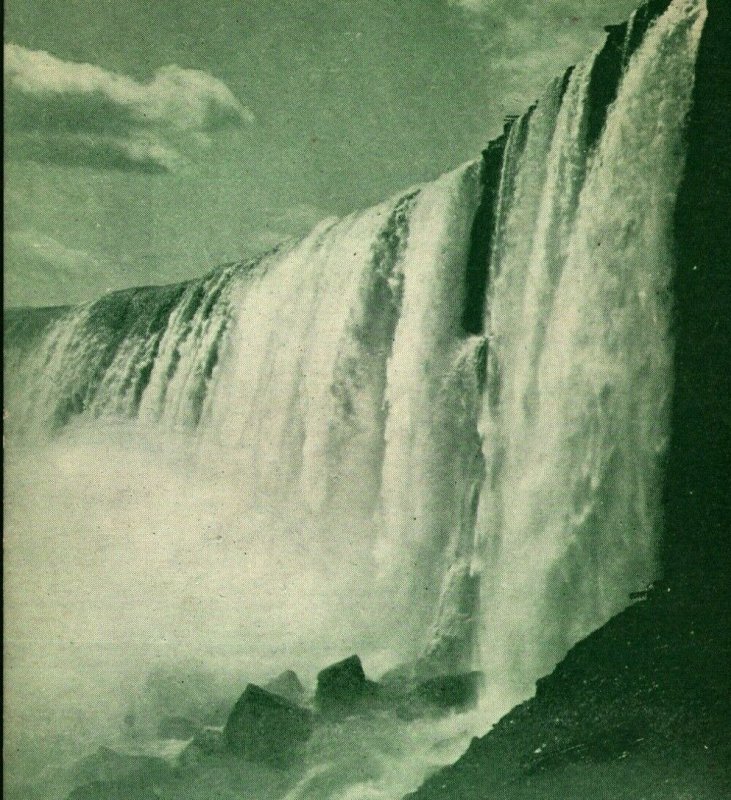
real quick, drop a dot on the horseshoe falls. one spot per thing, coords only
(432, 432)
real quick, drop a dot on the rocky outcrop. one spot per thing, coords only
(265, 727)
(418, 689)
(449, 692)
(638, 709)
(343, 688)
(697, 538)
(288, 686)
(433, 697)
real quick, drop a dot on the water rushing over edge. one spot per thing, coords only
(507, 484)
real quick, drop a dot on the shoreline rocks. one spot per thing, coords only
(288, 686)
(265, 727)
(343, 688)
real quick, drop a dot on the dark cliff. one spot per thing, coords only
(636, 711)
(698, 490)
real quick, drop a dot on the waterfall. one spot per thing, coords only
(505, 480)
(574, 422)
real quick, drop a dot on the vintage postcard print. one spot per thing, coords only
(367, 399)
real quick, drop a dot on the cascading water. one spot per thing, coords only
(498, 490)
(574, 421)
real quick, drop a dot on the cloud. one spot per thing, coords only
(525, 42)
(80, 114)
(40, 270)
(52, 251)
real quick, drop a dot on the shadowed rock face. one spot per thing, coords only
(606, 74)
(450, 691)
(637, 709)
(288, 686)
(343, 687)
(265, 727)
(476, 275)
(696, 543)
(411, 698)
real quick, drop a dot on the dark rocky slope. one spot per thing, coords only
(697, 548)
(639, 710)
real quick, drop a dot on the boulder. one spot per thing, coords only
(449, 692)
(288, 686)
(413, 691)
(267, 728)
(400, 680)
(344, 688)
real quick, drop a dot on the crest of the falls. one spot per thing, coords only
(507, 483)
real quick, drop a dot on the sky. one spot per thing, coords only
(147, 142)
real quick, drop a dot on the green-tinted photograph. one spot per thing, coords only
(367, 409)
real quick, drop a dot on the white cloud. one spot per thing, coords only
(40, 270)
(526, 42)
(52, 251)
(70, 112)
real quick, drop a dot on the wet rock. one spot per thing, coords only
(425, 686)
(437, 695)
(267, 728)
(288, 686)
(450, 692)
(344, 688)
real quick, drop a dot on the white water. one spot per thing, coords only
(574, 432)
(288, 461)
